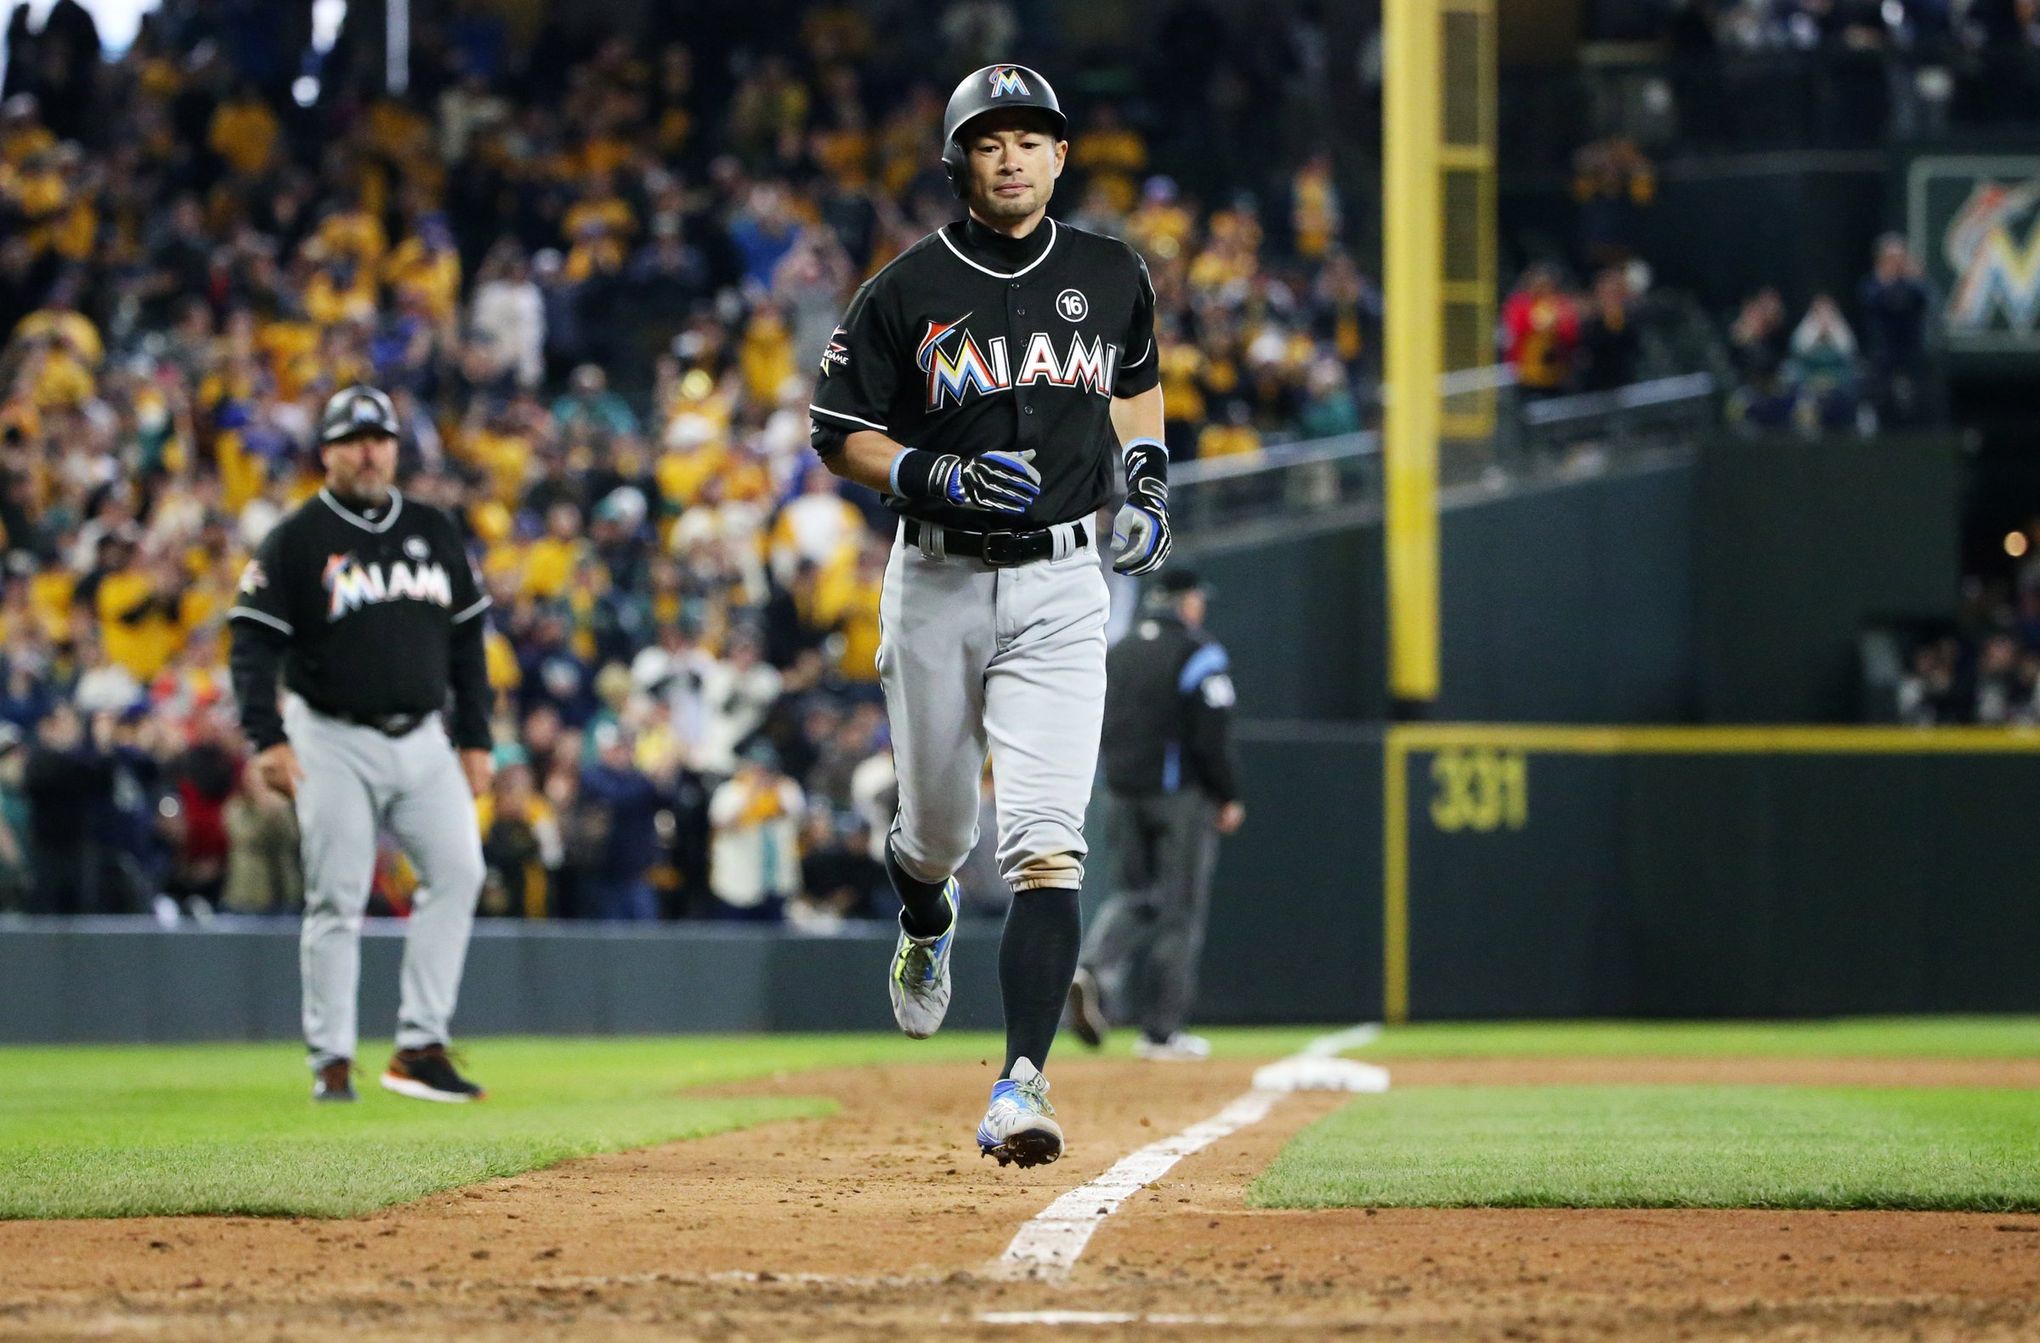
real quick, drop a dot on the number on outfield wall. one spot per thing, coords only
(1480, 790)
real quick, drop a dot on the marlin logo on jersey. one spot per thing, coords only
(350, 584)
(1005, 81)
(956, 365)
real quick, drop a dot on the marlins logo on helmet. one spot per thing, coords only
(1005, 79)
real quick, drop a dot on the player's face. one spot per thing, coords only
(1013, 164)
(362, 468)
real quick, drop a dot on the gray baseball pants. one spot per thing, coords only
(358, 781)
(1145, 941)
(1010, 661)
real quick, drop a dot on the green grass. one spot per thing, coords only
(129, 1131)
(164, 1129)
(108, 1132)
(1669, 1146)
(1854, 1037)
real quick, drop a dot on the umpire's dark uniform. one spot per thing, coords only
(1169, 768)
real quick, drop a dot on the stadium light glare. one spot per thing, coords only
(2015, 544)
(304, 90)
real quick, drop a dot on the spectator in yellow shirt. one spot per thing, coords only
(145, 611)
(765, 355)
(599, 204)
(353, 231)
(1235, 438)
(846, 603)
(22, 134)
(551, 561)
(1314, 207)
(61, 321)
(1161, 227)
(1111, 154)
(244, 132)
(341, 291)
(428, 263)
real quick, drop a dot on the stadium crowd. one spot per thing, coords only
(595, 278)
(1839, 368)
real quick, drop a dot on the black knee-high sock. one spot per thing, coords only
(924, 912)
(1037, 960)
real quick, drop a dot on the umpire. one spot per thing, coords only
(1169, 769)
(366, 603)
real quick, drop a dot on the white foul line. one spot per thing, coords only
(1049, 1245)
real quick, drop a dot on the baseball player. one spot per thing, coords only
(1170, 778)
(989, 382)
(365, 601)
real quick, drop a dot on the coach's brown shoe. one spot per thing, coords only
(428, 1075)
(334, 1082)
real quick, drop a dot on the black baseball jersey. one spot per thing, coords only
(970, 342)
(1168, 712)
(374, 614)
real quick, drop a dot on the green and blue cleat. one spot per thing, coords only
(1019, 1125)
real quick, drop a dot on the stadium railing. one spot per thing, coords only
(1532, 439)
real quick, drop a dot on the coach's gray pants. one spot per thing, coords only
(1145, 942)
(357, 781)
(1007, 660)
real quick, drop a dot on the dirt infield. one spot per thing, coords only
(881, 1221)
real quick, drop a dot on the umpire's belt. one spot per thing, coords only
(389, 724)
(1000, 550)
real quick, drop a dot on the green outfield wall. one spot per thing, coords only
(1726, 585)
(1562, 872)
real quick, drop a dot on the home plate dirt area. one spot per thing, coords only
(881, 1221)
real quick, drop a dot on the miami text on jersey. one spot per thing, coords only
(955, 365)
(352, 584)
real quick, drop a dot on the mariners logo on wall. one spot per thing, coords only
(1975, 222)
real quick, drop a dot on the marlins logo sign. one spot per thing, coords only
(1976, 222)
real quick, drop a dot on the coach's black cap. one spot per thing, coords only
(356, 412)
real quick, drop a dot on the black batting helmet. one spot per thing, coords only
(990, 90)
(356, 412)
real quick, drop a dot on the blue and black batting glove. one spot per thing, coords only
(994, 482)
(1140, 532)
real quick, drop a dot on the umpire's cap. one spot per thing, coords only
(993, 89)
(1173, 584)
(357, 412)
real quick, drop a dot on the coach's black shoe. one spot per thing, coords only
(1086, 1013)
(334, 1082)
(427, 1075)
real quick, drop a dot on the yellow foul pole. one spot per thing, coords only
(1412, 231)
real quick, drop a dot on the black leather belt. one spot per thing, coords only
(1001, 550)
(389, 724)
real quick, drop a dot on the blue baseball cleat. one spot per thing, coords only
(919, 984)
(1019, 1125)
